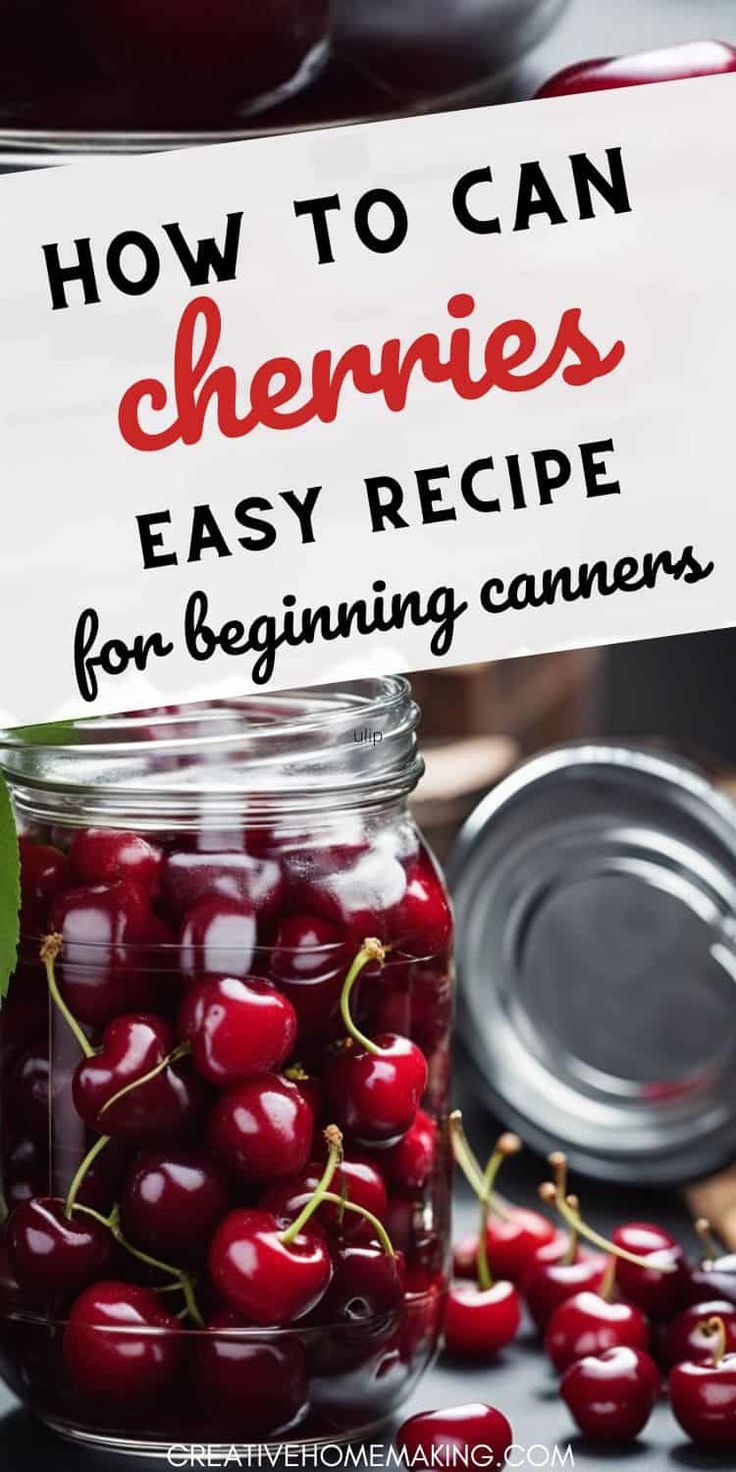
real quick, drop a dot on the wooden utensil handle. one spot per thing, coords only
(715, 1199)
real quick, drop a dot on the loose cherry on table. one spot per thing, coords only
(262, 1129)
(692, 59)
(172, 1202)
(591, 1323)
(237, 1027)
(695, 1333)
(120, 1344)
(514, 1244)
(716, 1275)
(441, 1438)
(373, 1087)
(703, 1395)
(611, 1395)
(483, 1318)
(255, 1387)
(109, 932)
(659, 1294)
(137, 1087)
(52, 1252)
(99, 855)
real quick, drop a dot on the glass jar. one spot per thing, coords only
(204, 1011)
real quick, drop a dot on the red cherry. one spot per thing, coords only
(25, 1171)
(375, 1095)
(358, 895)
(658, 1294)
(308, 964)
(28, 1093)
(410, 1162)
(108, 932)
(703, 1397)
(479, 1322)
(612, 1395)
(713, 1280)
(171, 1204)
(366, 1284)
(256, 884)
(99, 855)
(356, 1177)
(421, 923)
(131, 1047)
(218, 938)
(588, 1324)
(512, 1244)
(440, 1438)
(693, 1335)
(269, 1281)
(44, 871)
(120, 1344)
(52, 1254)
(550, 1284)
(237, 1027)
(262, 1129)
(254, 1386)
(691, 59)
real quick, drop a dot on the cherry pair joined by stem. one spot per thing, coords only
(481, 1319)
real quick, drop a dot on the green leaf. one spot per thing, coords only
(9, 890)
(54, 733)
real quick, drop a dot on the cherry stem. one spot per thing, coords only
(711, 1246)
(183, 1280)
(608, 1281)
(568, 1209)
(50, 948)
(334, 1142)
(180, 1051)
(464, 1155)
(371, 950)
(507, 1144)
(367, 1216)
(80, 1174)
(716, 1326)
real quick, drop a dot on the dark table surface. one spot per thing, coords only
(520, 1382)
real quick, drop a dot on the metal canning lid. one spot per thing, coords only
(595, 893)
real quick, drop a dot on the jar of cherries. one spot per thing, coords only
(224, 1064)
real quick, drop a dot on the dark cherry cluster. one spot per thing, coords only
(244, 1035)
(618, 1319)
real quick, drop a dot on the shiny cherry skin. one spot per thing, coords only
(440, 1438)
(611, 1396)
(50, 1253)
(124, 1367)
(366, 1284)
(356, 1177)
(671, 64)
(256, 883)
(254, 1387)
(703, 1400)
(691, 1335)
(172, 1202)
(360, 895)
(28, 1093)
(713, 1280)
(308, 964)
(410, 1162)
(421, 923)
(262, 1129)
(44, 872)
(237, 1027)
(550, 1284)
(660, 1295)
(512, 1244)
(267, 1280)
(375, 1096)
(99, 855)
(131, 1047)
(217, 938)
(588, 1324)
(108, 931)
(480, 1322)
